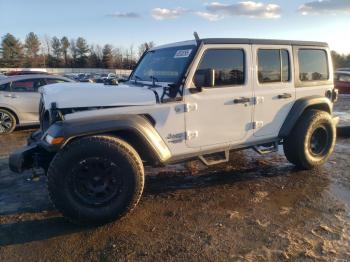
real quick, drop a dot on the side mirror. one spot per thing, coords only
(204, 78)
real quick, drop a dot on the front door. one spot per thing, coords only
(25, 98)
(274, 89)
(221, 114)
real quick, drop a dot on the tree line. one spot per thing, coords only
(340, 61)
(54, 52)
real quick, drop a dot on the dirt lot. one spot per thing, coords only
(255, 209)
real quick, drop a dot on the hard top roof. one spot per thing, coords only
(245, 41)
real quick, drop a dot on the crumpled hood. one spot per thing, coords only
(80, 95)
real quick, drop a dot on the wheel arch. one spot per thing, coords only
(136, 130)
(12, 112)
(299, 107)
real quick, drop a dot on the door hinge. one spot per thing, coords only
(190, 135)
(258, 100)
(190, 107)
(258, 124)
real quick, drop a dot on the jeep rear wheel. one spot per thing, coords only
(96, 180)
(312, 140)
(7, 122)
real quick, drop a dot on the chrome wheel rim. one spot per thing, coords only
(6, 122)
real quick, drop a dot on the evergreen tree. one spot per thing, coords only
(107, 58)
(65, 45)
(12, 51)
(82, 49)
(32, 47)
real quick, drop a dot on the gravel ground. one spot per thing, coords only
(256, 208)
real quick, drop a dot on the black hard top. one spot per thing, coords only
(261, 42)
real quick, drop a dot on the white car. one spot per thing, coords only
(194, 99)
(19, 99)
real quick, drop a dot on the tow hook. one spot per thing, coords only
(37, 171)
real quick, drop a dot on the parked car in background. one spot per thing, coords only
(347, 69)
(19, 99)
(25, 72)
(342, 81)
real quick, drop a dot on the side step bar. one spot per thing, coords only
(267, 148)
(215, 158)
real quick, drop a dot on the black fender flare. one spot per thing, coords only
(108, 124)
(299, 107)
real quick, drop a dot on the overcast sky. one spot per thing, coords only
(122, 23)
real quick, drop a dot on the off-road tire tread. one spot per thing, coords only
(110, 141)
(294, 144)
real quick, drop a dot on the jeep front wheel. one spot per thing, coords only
(96, 180)
(312, 140)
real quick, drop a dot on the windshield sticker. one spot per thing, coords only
(183, 53)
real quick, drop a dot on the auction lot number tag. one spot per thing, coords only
(183, 53)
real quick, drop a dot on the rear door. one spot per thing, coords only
(25, 98)
(274, 89)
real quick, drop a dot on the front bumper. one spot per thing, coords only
(23, 158)
(33, 156)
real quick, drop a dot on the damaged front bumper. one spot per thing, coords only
(33, 156)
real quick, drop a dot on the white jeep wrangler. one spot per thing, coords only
(194, 99)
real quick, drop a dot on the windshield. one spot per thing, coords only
(163, 65)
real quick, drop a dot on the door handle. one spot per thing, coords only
(284, 96)
(241, 100)
(8, 96)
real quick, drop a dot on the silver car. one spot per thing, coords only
(19, 99)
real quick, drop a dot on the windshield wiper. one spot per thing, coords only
(137, 78)
(154, 80)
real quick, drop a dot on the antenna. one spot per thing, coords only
(197, 37)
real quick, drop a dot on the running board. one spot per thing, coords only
(215, 158)
(267, 148)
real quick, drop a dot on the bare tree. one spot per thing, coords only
(144, 47)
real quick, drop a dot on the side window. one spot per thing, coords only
(228, 65)
(30, 85)
(5, 87)
(313, 65)
(50, 81)
(273, 65)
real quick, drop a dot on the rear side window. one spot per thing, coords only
(313, 65)
(273, 65)
(5, 87)
(228, 65)
(30, 85)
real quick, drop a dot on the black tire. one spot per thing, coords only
(96, 180)
(7, 122)
(312, 140)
